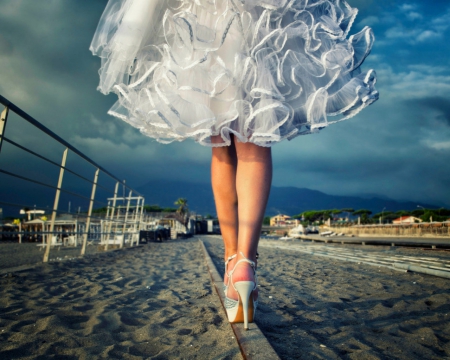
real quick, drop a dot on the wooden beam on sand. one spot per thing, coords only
(252, 342)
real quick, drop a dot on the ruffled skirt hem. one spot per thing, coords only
(263, 72)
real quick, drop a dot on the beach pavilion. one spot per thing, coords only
(65, 230)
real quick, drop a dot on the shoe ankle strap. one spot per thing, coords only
(244, 260)
(229, 259)
(252, 263)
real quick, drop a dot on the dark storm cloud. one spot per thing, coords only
(439, 104)
(6, 47)
(398, 147)
(52, 52)
(52, 75)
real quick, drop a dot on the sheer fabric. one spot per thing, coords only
(263, 70)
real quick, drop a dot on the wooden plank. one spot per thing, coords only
(252, 342)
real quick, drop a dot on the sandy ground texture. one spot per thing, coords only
(320, 308)
(151, 302)
(13, 254)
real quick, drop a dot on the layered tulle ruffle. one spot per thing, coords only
(261, 70)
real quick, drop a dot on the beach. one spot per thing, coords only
(149, 302)
(30, 254)
(317, 308)
(157, 301)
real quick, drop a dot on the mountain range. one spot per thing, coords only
(282, 200)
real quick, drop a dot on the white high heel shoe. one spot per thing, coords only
(225, 285)
(243, 309)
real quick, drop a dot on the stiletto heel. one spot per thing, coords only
(243, 309)
(245, 290)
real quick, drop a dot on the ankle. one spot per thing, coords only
(246, 255)
(229, 256)
(243, 271)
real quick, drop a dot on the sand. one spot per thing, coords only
(151, 302)
(157, 302)
(317, 308)
(13, 254)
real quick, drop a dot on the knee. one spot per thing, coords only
(224, 154)
(253, 153)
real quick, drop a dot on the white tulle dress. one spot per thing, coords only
(261, 70)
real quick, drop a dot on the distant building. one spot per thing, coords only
(34, 212)
(341, 220)
(283, 220)
(178, 224)
(406, 220)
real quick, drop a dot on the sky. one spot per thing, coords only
(399, 147)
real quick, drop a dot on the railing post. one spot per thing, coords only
(91, 204)
(55, 205)
(137, 213)
(3, 119)
(126, 219)
(104, 224)
(142, 213)
(136, 209)
(140, 219)
(112, 215)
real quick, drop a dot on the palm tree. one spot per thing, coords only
(183, 209)
(182, 206)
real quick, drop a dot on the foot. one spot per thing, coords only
(241, 294)
(240, 272)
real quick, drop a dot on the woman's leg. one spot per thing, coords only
(223, 179)
(241, 177)
(253, 181)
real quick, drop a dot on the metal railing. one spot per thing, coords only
(116, 216)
